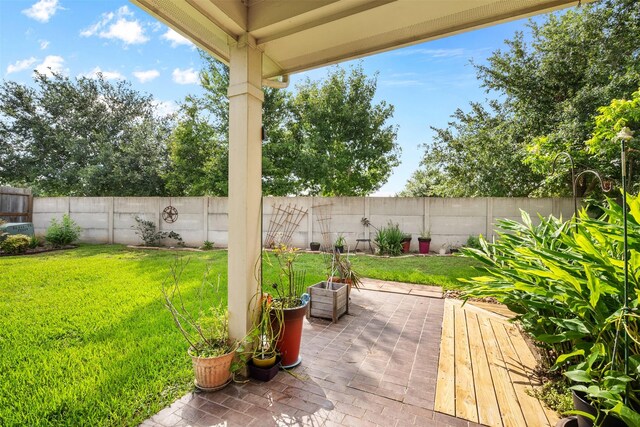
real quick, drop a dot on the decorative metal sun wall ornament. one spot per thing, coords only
(170, 213)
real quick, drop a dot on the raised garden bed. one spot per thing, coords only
(329, 300)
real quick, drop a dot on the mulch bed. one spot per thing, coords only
(460, 295)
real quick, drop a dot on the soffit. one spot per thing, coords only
(297, 35)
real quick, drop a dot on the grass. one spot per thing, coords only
(85, 339)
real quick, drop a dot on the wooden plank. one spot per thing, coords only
(529, 363)
(500, 309)
(445, 386)
(465, 392)
(505, 394)
(488, 411)
(530, 406)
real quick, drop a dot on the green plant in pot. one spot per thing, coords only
(204, 324)
(289, 305)
(424, 241)
(339, 243)
(339, 264)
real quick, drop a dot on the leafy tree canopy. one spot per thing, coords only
(326, 138)
(550, 88)
(81, 137)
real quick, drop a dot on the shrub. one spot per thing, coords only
(34, 242)
(62, 233)
(474, 242)
(15, 244)
(389, 239)
(207, 245)
(151, 236)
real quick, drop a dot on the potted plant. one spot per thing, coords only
(424, 241)
(315, 246)
(406, 243)
(205, 326)
(339, 244)
(261, 343)
(289, 305)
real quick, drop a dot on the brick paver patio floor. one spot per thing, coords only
(377, 366)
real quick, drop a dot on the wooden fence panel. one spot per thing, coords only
(16, 204)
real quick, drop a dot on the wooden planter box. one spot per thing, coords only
(328, 300)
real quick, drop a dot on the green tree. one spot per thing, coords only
(550, 88)
(345, 146)
(82, 137)
(199, 146)
(327, 138)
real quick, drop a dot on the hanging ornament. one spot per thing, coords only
(170, 213)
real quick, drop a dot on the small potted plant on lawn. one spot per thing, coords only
(289, 306)
(205, 326)
(424, 241)
(315, 246)
(339, 244)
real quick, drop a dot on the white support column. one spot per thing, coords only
(245, 180)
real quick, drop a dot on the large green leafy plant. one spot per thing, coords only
(565, 282)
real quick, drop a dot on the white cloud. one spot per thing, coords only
(44, 44)
(108, 75)
(43, 10)
(146, 76)
(164, 108)
(185, 77)
(51, 64)
(21, 65)
(116, 25)
(176, 38)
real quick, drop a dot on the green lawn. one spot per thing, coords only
(85, 339)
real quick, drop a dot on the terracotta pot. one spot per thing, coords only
(406, 245)
(581, 404)
(212, 372)
(289, 343)
(424, 245)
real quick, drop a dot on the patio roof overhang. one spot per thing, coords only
(297, 35)
(263, 39)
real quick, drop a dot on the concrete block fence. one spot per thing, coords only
(451, 220)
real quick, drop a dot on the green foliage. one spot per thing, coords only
(327, 137)
(62, 233)
(81, 137)
(291, 282)
(15, 244)
(207, 245)
(340, 240)
(565, 281)
(34, 242)
(344, 146)
(604, 144)
(474, 242)
(389, 239)
(550, 83)
(555, 394)
(150, 235)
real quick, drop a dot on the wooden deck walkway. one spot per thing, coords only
(485, 368)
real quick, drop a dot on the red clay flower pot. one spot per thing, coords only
(289, 343)
(423, 245)
(406, 245)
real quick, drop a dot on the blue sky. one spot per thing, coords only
(425, 83)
